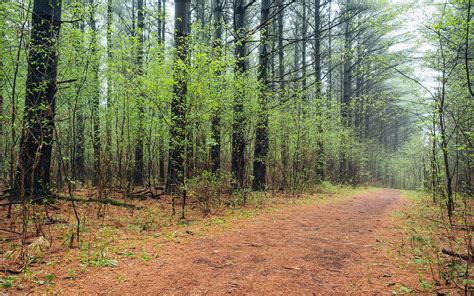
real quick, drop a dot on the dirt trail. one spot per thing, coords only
(331, 248)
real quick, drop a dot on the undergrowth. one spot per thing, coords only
(441, 249)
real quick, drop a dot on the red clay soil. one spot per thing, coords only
(327, 249)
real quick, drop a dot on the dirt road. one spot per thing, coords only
(327, 249)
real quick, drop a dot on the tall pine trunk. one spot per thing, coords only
(78, 119)
(108, 125)
(161, 38)
(2, 79)
(281, 77)
(261, 138)
(317, 70)
(95, 102)
(216, 119)
(32, 179)
(138, 170)
(238, 125)
(344, 168)
(176, 167)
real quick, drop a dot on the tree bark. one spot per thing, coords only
(108, 126)
(346, 91)
(2, 79)
(159, 21)
(442, 130)
(161, 36)
(139, 164)
(317, 70)
(34, 164)
(176, 171)
(281, 77)
(347, 70)
(238, 125)
(261, 138)
(78, 120)
(95, 103)
(329, 90)
(216, 119)
(200, 11)
(304, 43)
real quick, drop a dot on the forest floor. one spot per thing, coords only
(342, 246)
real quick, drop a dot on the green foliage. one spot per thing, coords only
(7, 282)
(102, 261)
(209, 190)
(428, 234)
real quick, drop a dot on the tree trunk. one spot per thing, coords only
(347, 72)
(161, 160)
(444, 139)
(261, 138)
(216, 119)
(159, 21)
(139, 164)
(281, 77)
(346, 92)
(95, 103)
(108, 126)
(317, 47)
(2, 79)
(78, 120)
(317, 71)
(303, 51)
(200, 11)
(238, 125)
(329, 94)
(434, 172)
(163, 22)
(161, 36)
(34, 164)
(176, 171)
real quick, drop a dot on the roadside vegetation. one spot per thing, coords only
(441, 249)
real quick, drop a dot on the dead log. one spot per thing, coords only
(107, 201)
(465, 257)
(144, 194)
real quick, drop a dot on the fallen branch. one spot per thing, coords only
(456, 226)
(12, 271)
(10, 231)
(462, 227)
(143, 194)
(457, 255)
(107, 201)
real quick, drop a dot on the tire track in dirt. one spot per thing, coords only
(306, 250)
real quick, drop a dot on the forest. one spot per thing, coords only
(153, 120)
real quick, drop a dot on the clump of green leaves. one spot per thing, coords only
(7, 282)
